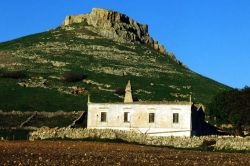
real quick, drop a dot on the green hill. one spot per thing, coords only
(106, 49)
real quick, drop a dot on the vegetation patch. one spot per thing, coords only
(232, 108)
(13, 74)
(15, 134)
(73, 77)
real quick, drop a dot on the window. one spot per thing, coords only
(175, 118)
(151, 117)
(126, 116)
(103, 116)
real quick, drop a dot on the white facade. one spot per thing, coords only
(156, 119)
(152, 118)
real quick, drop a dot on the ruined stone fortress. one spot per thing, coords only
(152, 118)
(116, 26)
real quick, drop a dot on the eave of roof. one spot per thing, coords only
(150, 103)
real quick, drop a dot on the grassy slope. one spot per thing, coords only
(140, 63)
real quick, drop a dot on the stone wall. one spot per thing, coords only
(236, 143)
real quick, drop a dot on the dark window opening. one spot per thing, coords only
(151, 117)
(103, 116)
(126, 117)
(175, 118)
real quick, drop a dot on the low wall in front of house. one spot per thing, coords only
(151, 131)
(220, 142)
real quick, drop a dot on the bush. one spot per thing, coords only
(231, 107)
(120, 91)
(208, 144)
(73, 77)
(13, 74)
(135, 98)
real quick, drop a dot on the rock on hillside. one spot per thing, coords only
(116, 26)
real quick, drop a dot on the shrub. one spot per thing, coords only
(208, 144)
(73, 77)
(120, 91)
(231, 107)
(13, 74)
(135, 98)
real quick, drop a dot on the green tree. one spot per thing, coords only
(231, 107)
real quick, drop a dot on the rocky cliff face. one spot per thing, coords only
(117, 26)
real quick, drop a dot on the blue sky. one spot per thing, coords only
(212, 37)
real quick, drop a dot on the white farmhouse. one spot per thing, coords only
(153, 118)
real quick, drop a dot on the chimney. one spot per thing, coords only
(128, 94)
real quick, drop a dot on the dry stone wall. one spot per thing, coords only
(236, 143)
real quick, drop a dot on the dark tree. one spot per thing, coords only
(73, 77)
(231, 107)
(120, 91)
(13, 74)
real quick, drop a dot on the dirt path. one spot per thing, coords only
(97, 153)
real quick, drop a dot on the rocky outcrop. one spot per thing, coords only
(117, 26)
